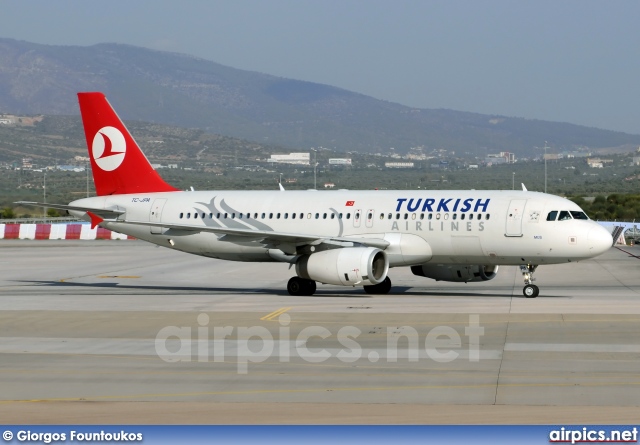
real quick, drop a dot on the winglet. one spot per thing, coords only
(524, 189)
(95, 219)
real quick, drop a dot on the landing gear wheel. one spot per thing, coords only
(531, 291)
(380, 288)
(300, 287)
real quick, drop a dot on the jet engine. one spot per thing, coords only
(456, 272)
(348, 266)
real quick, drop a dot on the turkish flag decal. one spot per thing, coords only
(350, 203)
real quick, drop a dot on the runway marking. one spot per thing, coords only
(118, 276)
(275, 314)
(323, 390)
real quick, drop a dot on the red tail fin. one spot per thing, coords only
(118, 164)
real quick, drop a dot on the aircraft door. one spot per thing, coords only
(155, 215)
(357, 218)
(369, 220)
(514, 217)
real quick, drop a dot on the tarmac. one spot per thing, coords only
(123, 332)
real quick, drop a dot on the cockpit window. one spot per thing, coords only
(552, 215)
(578, 215)
(564, 215)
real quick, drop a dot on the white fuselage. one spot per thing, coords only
(438, 227)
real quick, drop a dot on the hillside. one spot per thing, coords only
(186, 91)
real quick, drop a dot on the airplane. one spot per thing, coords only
(345, 237)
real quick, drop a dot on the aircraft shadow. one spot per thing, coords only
(329, 293)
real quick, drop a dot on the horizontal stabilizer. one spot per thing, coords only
(104, 213)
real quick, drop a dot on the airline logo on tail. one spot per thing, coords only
(108, 148)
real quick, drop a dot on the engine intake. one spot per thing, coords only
(349, 266)
(456, 272)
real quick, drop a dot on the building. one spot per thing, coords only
(597, 162)
(504, 157)
(339, 161)
(399, 164)
(291, 158)
(329, 185)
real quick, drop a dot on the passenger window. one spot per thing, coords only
(188, 215)
(339, 215)
(390, 216)
(564, 215)
(487, 216)
(370, 216)
(437, 216)
(422, 216)
(357, 216)
(397, 216)
(317, 215)
(233, 216)
(210, 215)
(308, 215)
(455, 216)
(255, 216)
(479, 216)
(430, 216)
(293, 216)
(263, 216)
(278, 217)
(324, 216)
(333, 216)
(195, 216)
(239, 215)
(270, 215)
(382, 216)
(286, 216)
(462, 215)
(181, 215)
(301, 215)
(204, 215)
(406, 216)
(348, 215)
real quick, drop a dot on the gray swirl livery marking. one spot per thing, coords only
(231, 223)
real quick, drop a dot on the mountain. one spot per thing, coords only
(182, 90)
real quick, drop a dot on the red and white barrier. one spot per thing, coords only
(81, 231)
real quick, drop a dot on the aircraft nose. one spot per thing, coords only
(600, 240)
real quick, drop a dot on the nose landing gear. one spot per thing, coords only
(530, 290)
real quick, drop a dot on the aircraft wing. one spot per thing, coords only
(104, 213)
(287, 242)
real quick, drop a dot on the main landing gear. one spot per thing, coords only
(380, 288)
(529, 290)
(301, 287)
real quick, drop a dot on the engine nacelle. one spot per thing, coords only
(456, 272)
(348, 266)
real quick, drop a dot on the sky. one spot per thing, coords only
(572, 61)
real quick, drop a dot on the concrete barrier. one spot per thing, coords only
(81, 231)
